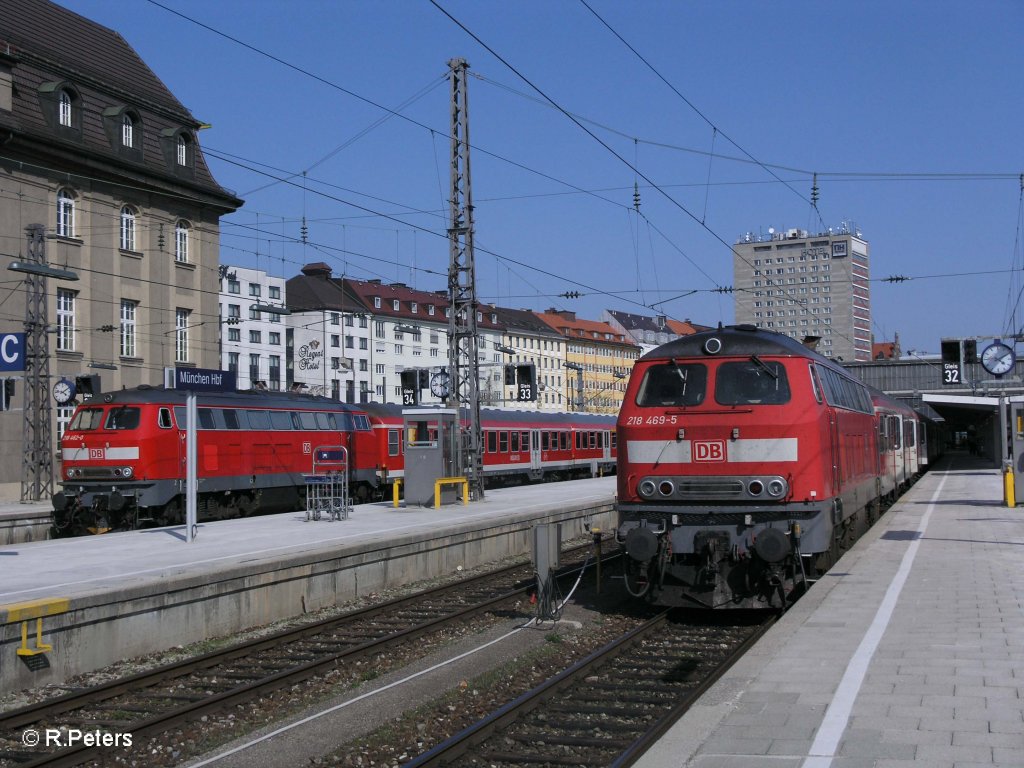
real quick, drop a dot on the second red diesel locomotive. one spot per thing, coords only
(746, 463)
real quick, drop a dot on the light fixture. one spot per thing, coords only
(103, 366)
(503, 348)
(270, 309)
(42, 270)
(406, 329)
(573, 366)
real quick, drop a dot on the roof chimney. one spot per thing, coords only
(317, 269)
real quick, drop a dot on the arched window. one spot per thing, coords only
(64, 114)
(65, 213)
(127, 130)
(184, 150)
(181, 238)
(128, 217)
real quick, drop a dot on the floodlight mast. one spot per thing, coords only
(463, 363)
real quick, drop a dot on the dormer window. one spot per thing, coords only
(430, 309)
(395, 304)
(414, 307)
(376, 302)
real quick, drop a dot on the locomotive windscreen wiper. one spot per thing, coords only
(762, 364)
(682, 375)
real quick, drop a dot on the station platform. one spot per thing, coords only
(910, 652)
(106, 598)
(24, 521)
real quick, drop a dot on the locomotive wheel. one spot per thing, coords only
(171, 514)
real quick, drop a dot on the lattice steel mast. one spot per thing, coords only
(463, 363)
(37, 458)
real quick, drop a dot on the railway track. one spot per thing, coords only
(155, 701)
(608, 708)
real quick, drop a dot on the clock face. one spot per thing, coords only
(998, 359)
(63, 391)
(439, 384)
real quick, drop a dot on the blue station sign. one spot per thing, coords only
(204, 380)
(12, 352)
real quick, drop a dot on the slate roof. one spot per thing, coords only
(524, 321)
(48, 47)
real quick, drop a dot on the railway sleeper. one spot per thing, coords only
(520, 758)
(571, 741)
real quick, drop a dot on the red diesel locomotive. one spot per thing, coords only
(747, 462)
(123, 453)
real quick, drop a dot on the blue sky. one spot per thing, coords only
(911, 113)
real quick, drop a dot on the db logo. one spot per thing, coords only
(709, 450)
(95, 453)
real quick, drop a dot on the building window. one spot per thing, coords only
(254, 368)
(275, 338)
(254, 337)
(65, 320)
(127, 131)
(65, 113)
(181, 237)
(275, 372)
(335, 318)
(128, 228)
(181, 335)
(233, 362)
(395, 304)
(234, 286)
(234, 334)
(254, 289)
(275, 291)
(183, 150)
(254, 314)
(128, 327)
(234, 311)
(65, 213)
(335, 340)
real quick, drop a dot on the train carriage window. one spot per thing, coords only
(163, 419)
(673, 384)
(230, 418)
(752, 382)
(492, 441)
(393, 442)
(259, 420)
(894, 433)
(814, 383)
(524, 442)
(579, 440)
(563, 441)
(503, 442)
(514, 437)
(593, 439)
(544, 441)
(281, 420)
(321, 421)
(615, 439)
(122, 418)
(908, 433)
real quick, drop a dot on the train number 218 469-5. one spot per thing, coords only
(653, 420)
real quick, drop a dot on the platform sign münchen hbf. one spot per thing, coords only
(204, 380)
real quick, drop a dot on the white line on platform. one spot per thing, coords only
(837, 716)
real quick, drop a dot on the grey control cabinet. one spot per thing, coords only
(429, 442)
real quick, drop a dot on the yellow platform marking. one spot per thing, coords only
(34, 609)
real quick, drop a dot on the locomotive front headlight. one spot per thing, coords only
(755, 487)
(647, 488)
(666, 488)
(777, 488)
(127, 472)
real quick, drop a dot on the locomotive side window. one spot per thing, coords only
(281, 419)
(752, 382)
(259, 420)
(673, 384)
(321, 421)
(163, 418)
(122, 418)
(393, 442)
(307, 420)
(230, 418)
(814, 384)
(206, 418)
(359, 422)
(85, 419)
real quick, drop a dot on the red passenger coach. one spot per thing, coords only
(745, 462)
(518, 445)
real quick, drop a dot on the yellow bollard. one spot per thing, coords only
(1011, 501)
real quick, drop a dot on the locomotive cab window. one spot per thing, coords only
(751, 382)
(86, 419)
(164, 419)
(122, 418)
(673, 384)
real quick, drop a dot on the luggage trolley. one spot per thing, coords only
(327, 485)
